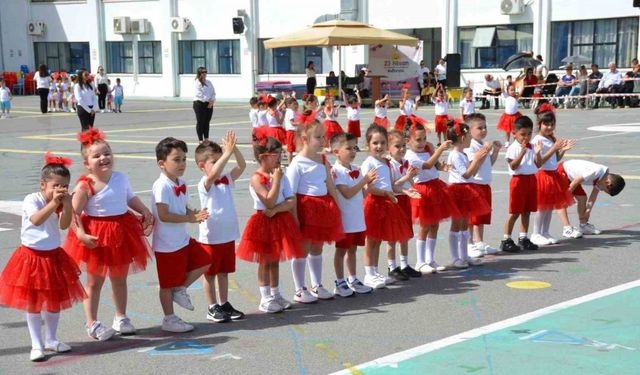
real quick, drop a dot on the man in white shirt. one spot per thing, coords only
(611, 83)
(491, 87)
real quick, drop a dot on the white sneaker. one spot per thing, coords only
(358, 287)
(385, 279)
(571, 232)
(36, 355)
(425, 269)
(488, 250)
(549, 238)
(280, 300)
(320, 292)
(459, 264)
(172, 323)
(269, 305)
(182, 299)
(102, 111)
(303, 296)
(474, 261)
(476, 250)
(437, 267)
(123, 326)
(589, 228)
(374, 282)
(342, 289)
(540, 240)
(57, 347)
(99, 331)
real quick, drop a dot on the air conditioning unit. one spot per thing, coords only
(140, 26)
(35, 28)
(121, 25)
(179, 24)
(512, 6)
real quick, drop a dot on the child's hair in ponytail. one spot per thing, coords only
(456, 129)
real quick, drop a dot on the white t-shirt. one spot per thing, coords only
(490, 85)
(510, 104)
(284, 193)
(383, 181)
(42, 82)
(101, 79)
(441, 107)
(353, 114)
(417, 159)
(381, 111)
(253, 117)
(289, 118)
(397, 171)
(407, 108)
(352, 209)
(552, 163)
(272, 121)
(441, 72)
(468, 106)
(483, 176)
(590, 171)
(459, 165)
(113, 199)
(45, 236)
(4, 94)
(527, 166)
(169, 237)
(118, 90)
(222, 224)
(307, 177)
(262, 118)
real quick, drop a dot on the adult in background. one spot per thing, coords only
(102, 87)
(529, 80)
(43, 81)
(441, 72)
(566, 83)
(491, 88)
(311, 78)
(203, 100)
(422, 70)
(628, 85)
(85, 98)
(541, 70)
(592, 84)
(611, 83)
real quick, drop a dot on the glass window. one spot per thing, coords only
(62, 56)
(291, 60)
(490, 47)
(218, 56)
(149, 58)
(120, 57)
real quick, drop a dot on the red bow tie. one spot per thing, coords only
(182, 189)
(529, 146)
(354, 174)
(469, 100)
(387, 162)
(404, 166)
(264, 180)
(224, 180)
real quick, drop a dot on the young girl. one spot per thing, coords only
(40, 277)
(53, 95)
(331, 126)
(353, 115)
(59, 98)
(65, 94)
(380, 111)
(107, 239)
(407, 107)
(553, 188)
(384, 218)
(435, 203)
(72, 98)
(317, 210)
(442, 111)
(466, 197)
(510, 114)
(467, 104)
(109, 96)
(275, 119)
(290, 126)
(271, 234)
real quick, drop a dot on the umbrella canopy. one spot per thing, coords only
(521, 60)
(576, 60)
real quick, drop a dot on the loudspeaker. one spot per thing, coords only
(238, 25)
(453, 69)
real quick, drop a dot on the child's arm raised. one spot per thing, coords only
(398, 185)
(349, 192)
(228, 143)
(433, 160)
(241, 164)
(358, 97)
(553, 150)
(567, 144)
(477, 161)
(515, 163)
(268, 197)
(39, 217)
(495, 152)
(537, 157)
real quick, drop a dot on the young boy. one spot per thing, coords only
(5, 99)
(289, 125)
(118, 96)
(467, 103)
(180, 260)
(523, 160)
(349, 182)
(220, 231)
(582, 172)
(253, 112)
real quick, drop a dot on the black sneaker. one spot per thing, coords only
(409, 271)
(526, 244)
(216, 314)
(233, 313)
(398, 275)
(509, 246)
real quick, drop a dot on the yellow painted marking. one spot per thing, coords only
(328, 351)
(300, 329)
(233, 284)
(530, 284)
(352, 369)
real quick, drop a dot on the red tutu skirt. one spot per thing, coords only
(278, 133)
(553, 191)
(320, 218)
(35, 280)
(385, 220)
(291, 141)
(441, 123)
(382, 121)
(270, 239)
(506, 122)
(331, 128)
(435, 205)
(260, 132)
(122, 248)
(353, 127)
(401, 121)
(468, 200)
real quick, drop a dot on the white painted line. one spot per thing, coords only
(5, 229)
(393, 359)
(600, 136)
(11, 207)
(630, 127)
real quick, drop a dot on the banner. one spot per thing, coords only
(396, 65)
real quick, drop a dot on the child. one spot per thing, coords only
(467, 199)
(263, 122)
(510, 114)
(180, 259)
(407, 108)
(384, 218)
(253, 113)
(118, 96)
(271, 234)
(220, 231)
(290, 126)
(52, 96)
(275, 119)
(582, 172)
(552, 188)
(523, 160)
(350, 183)
(353, 115)
(441, 103)
(107, 238)
(331, 125)
(380, 110)
(467, 104)
(482, 182)
(60, 90)
(401, 175)
(40, 275)
(72, 98)
(316, 208)
(109, 96)
(5, 100)
(435, 203)
(64, 94)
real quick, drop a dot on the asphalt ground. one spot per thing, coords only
(327, 336)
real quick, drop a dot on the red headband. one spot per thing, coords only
(307, 119)
(266, 99)
(50, 158)
(91, 136)
(546, 107)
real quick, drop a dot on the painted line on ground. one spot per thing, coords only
(393, 359)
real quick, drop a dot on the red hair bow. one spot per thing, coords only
(266, 99)
(307, 119)
(457, 126)
(264, 180)
(404, 166)
(354, 174)
(91, 136)
(50, 158)
(546, 107)
(88, 181)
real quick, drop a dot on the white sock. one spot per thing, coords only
(430, 250)
(538, 220)
(506, 236)
(463, 245)
(522, 235)
(404, 261)
(546, 224)
(454, 238)
(351, 278)
(315, 269)
(421, 247)
(297, 269)
(265, 292)
(34, 322)
(369, 270)
(275, 291)
(51, 327)
(375, 270)
(392, 264)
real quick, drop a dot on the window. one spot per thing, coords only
(603, 40)
(490, 46)
(290, 60)
(120, 57)
(218, 56)
(149, 58)
(62, 56)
